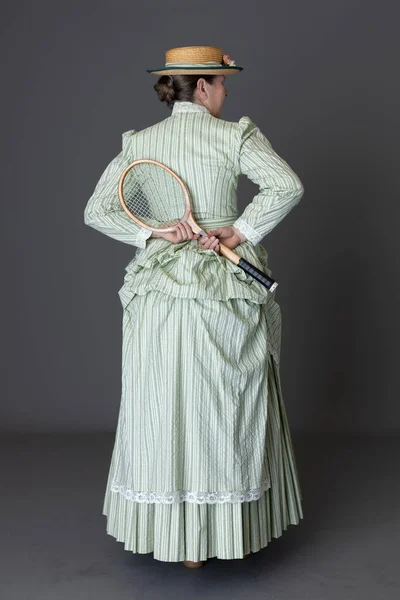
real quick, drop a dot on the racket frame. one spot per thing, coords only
(187, 216)
(261, 277)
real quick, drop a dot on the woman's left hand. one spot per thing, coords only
(182, 232)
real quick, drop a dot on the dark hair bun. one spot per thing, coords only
(179, 88)
(166, 90)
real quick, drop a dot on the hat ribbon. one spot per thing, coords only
(211, 63)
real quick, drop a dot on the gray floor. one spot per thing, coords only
(54, 545)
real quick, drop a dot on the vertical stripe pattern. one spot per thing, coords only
(190, 531)
(209, 154)
(202, 463)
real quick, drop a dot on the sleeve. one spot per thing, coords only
(104, 211)
(280, 188)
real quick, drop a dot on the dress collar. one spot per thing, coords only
(181, 106)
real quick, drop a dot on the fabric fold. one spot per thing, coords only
(187, 270)
(189, 531)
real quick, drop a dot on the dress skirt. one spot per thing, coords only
(203, 464)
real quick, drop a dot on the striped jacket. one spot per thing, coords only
(209, 154)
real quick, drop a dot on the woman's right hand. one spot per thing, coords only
(228, 235)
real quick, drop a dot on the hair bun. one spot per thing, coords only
(165, 89)
(177, 88)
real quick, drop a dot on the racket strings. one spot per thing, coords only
(153, 195)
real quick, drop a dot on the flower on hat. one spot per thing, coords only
(226, 59)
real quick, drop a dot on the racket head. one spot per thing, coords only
(153, 195)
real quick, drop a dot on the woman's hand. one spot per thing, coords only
(228, 235)
(182, 232)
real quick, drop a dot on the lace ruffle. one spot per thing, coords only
(182, 106)
(142, 236)
(186, 496)
(251, 234)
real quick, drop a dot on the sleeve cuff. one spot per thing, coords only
(251, 234)
(142, 236)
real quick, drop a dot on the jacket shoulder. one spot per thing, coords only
(246, 127)
(243, 128)
(126, 138)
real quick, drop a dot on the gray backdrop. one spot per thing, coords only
(321, 81)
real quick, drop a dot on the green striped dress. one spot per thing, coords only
(203, 464)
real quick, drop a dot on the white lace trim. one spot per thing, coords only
(141, 237)
(251, 234)
(181, 106)
(185, 496)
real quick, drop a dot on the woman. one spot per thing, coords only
(203, 464)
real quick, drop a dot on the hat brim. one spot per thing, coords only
(196, 71)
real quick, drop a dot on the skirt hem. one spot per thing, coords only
(251, 546)
(191, 531)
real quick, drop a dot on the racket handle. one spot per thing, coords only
(261, 277)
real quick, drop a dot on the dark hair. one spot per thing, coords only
(170, 88)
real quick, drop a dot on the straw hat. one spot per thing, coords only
(193, 60)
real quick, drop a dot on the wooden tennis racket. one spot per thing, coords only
(157, 199)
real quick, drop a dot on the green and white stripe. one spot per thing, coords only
(202, 463)
(199, 530)
(209, 154)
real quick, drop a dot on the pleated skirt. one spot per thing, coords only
(191, 530)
